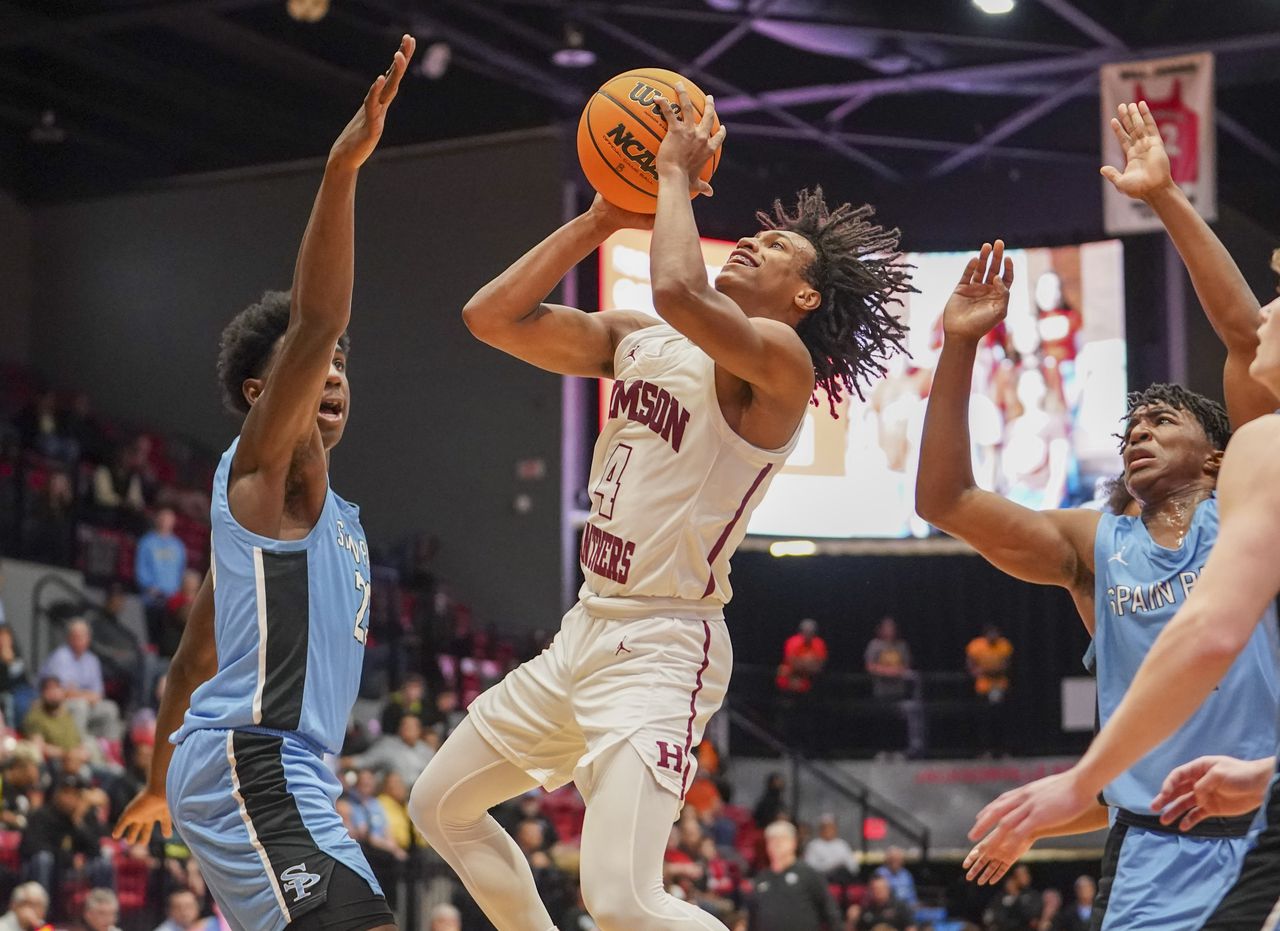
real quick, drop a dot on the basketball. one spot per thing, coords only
(620, 131)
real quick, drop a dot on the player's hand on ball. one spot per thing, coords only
(1146, 169)
(981, 299)
(1212, 787)
(688, 145)
(360, 138)
(616, 218)
(145, 811)
(992, 857)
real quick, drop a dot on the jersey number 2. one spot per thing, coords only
(362, 616)
(611, 481)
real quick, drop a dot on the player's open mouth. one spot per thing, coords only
(742, 257)
(331, 410)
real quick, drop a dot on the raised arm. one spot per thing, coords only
(1049, 547)
(194, 663)
(1231, 306)
(766, 354)
(1192, 653)
(510, 313)
(283, 417)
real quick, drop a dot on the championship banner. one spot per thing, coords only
(1180, 93)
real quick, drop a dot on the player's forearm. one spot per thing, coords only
(1188, 659)
(946, 467)
(676, 266)
(1095, 819)
(518, 291)
(1228, 301)
(182, 680)
(325, 269)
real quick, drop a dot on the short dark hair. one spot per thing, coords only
(857, 269)
(1211, 415)
(247, 342)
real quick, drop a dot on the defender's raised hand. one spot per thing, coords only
(1146, 168)
(981, 299)
(688, 145)
(360, 138)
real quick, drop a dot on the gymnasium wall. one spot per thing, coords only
(133, 291)
(15, 280)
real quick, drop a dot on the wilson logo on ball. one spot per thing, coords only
(633, 149)
(644, 95)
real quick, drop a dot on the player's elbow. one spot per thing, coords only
(478, 317)
(934, 506)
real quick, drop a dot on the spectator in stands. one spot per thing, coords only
(1050, 909)
(80, 673)
(20, 792)
(720, 890)
(789, 895)
(183, 912)
(16, 693)
(988, 658)
(445, 917)
(27, 908)
(369, 828)
(552, 885)
(158, 566)
(63, 837)
(101, 911)
(898, 876)
(803, 657)
(82, 426)
(447, 716)
(48, 531)
(139, 747)
(394, 800)
(177, 610)
(527, 807)
(1017, 907)
(404, 751)
(1078, 916)
(830, 854)
(42, 430)
(50, 723)
(882, 910)
(410, 699)
(888, 661)
(770, 804)
(118, 497)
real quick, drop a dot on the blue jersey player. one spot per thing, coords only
(1128, 574)
(267, 671)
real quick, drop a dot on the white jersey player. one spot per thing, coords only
(704, 411)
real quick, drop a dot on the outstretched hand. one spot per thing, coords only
(357, 142)
(1146, 168)
(688, 146)
(1021, 815)
(981, 299)
(142, 814)
(1211, 787)
(993, 856)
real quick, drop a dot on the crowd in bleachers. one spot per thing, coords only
(129, 509)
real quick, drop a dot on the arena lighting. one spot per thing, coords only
(995, 7)
(435, 60)
(793, 548)
(573, 54)
(307, 11)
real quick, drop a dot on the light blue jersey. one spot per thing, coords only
(290, 624)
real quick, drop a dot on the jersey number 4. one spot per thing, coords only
(362, 615)
(611, 481)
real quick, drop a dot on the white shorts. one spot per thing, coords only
(654, 682)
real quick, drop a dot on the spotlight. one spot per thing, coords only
(995, 7)
(435, 60)
(47, 131)
(573, 54)
(792, 548)
(307, 11)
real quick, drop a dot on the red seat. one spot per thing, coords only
(10, 841)
(132, 877)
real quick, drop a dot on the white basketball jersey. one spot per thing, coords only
(672, 486)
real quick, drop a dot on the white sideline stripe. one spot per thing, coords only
(260, 589)
(248, 823)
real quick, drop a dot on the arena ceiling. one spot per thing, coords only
(106, 96)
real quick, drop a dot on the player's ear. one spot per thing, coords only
(1213, 464)
(807, 300)
(252, 389)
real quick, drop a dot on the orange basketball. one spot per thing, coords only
(620, 131)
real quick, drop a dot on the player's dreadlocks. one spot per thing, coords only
(1212, 415)
(858, 272)
(247, 343)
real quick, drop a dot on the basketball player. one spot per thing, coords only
(1182, 672)
(707, 404)
(1128, 575)
(270, 661)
